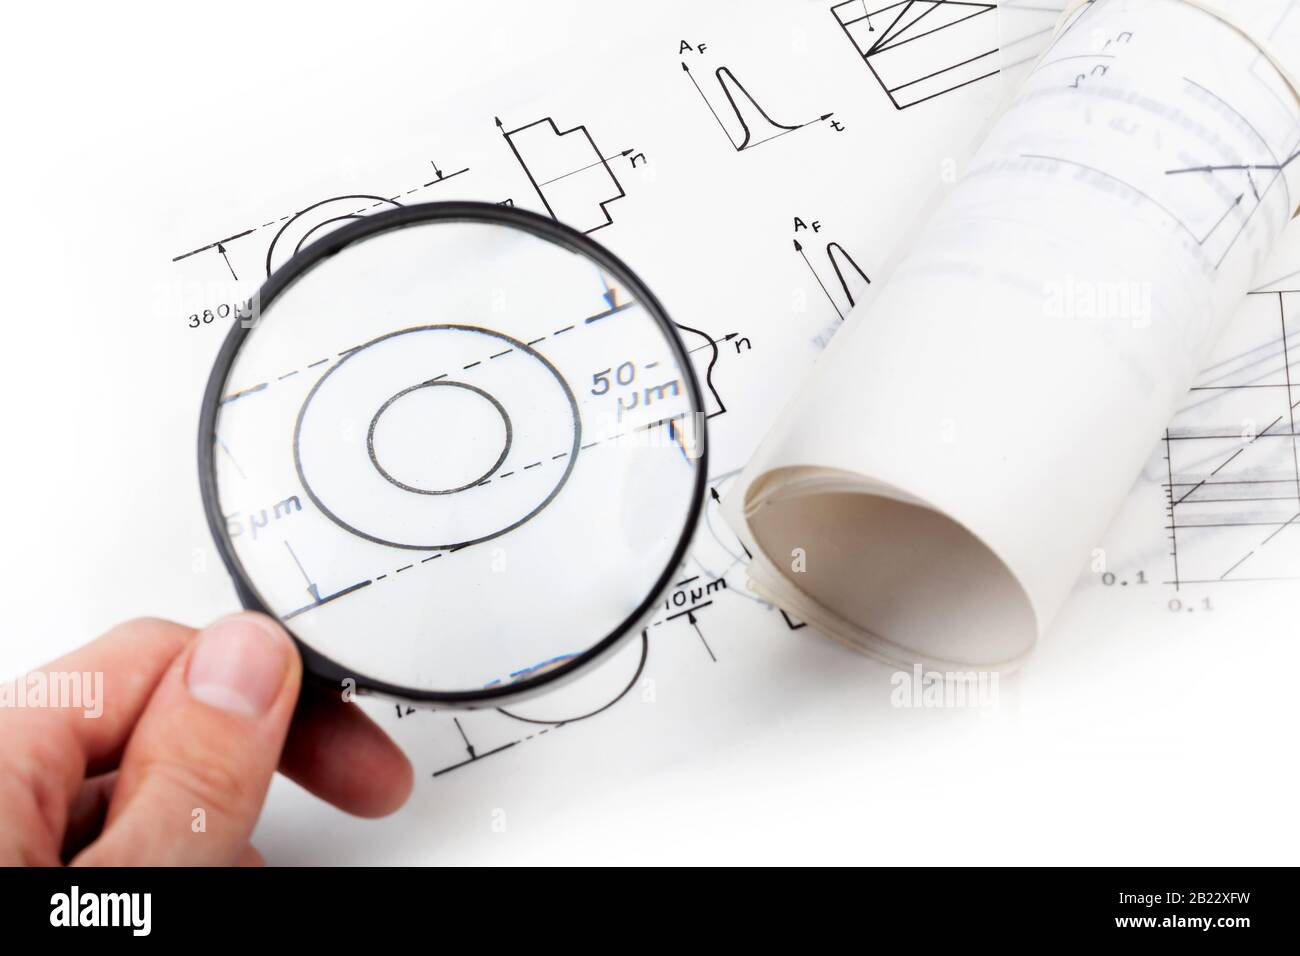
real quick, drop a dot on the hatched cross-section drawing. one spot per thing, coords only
(1232, 469)
(920, 49)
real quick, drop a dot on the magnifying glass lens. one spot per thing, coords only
(457, 451)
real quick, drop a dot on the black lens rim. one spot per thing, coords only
(324, 669)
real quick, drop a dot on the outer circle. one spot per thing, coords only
(515, 343)
(324, 670)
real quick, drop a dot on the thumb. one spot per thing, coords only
(196, 770)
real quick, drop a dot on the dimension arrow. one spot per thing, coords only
(468, 746)
(222, 249)
(312, 589)
(695, 624)
(610, 295)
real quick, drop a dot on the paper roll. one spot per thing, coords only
(938, 485)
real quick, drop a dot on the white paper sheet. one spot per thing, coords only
(738, 735)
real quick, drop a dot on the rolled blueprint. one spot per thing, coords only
(940, 482)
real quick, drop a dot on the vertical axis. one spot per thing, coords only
(799, 249)
(1290, 406)
(726, 132)
(528, 172)
(1173, 525)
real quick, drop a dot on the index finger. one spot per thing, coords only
(89, 702)
(95, 694)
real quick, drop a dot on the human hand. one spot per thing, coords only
(175, 769)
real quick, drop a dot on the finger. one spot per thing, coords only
(250, 857)
(49, 749)
(87, 814)
(338, 753)
(105, 684)
(132, 658)
(196, 770)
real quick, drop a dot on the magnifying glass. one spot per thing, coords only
(457, 449)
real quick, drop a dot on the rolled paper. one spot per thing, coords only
(938, 485)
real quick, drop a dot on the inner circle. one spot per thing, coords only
(437, 437)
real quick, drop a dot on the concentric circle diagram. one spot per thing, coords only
(407, 440)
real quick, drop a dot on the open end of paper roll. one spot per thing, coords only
(906, 582)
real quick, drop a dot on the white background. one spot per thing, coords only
(1135, 735)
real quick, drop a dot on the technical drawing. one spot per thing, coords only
(315, 221)
(460, 741)
(686, 599)
(704, 352)
(1232, 466)
(1240, 188)
(1025, 31)
(850, 279)
(1250, 173)
(716, 551)
(1222, 219)
(592, 694)
(722, 556)
(715, 568)
(1211, 204)
(756, 125)
(850, 275)
(566, 168)
(920, 49)
(363, 376)
(1250, 181)
(295, 230)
